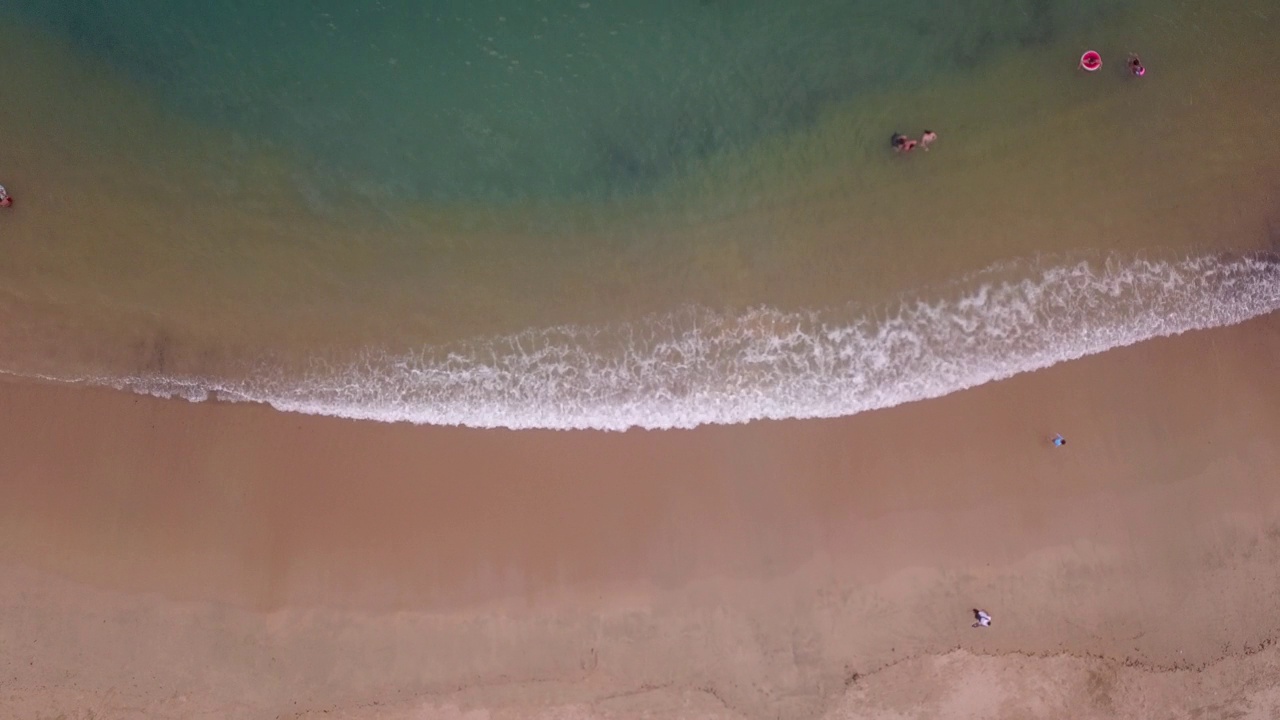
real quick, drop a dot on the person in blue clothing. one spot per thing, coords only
(1059, 441)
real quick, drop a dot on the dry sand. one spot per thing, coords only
(168, 560)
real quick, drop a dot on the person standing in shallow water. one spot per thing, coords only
(903, 144)
(5, 200)
(1058, 440)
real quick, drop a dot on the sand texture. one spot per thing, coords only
(169, 560)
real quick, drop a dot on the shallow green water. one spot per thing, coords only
(499, 100)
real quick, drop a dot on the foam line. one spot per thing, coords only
(699, 367)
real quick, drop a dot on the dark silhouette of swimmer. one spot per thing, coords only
(901, 143)
(1135, 66)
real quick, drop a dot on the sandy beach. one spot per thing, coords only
(172, 560)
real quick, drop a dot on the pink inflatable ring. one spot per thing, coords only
(1091, 61)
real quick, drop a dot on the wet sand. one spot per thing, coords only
(165, 559)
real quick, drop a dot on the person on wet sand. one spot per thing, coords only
(901, 143)
(984, 620)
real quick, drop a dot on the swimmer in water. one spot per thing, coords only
(1135, 66)
(927, 139)
(901, 143)
(5, 200)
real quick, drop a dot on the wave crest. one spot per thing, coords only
(697, 366)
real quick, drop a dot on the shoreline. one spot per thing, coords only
(700, 367)
(337, 564)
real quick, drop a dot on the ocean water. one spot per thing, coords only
(610, 215)
(498, 101)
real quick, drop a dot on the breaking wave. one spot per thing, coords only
(697, 366)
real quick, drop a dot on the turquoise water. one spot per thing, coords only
(597, 215)
(497, 101)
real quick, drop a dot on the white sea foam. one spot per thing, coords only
(698, 367)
